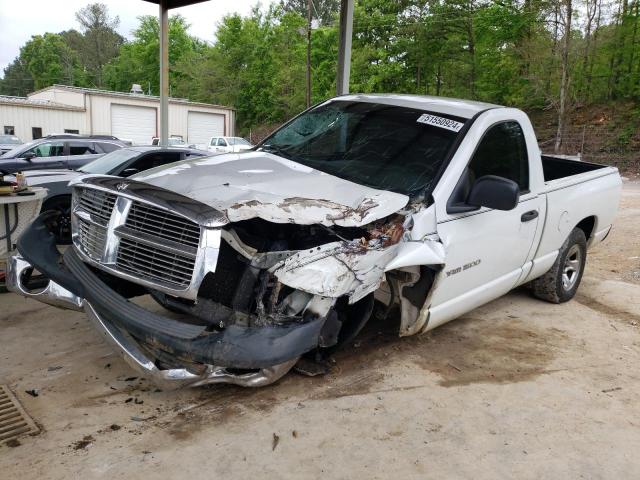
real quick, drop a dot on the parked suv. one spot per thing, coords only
(58, 151)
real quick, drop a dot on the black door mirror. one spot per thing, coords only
(127, 172)
(494, 192)
(28, 156)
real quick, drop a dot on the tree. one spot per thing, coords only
(565, 15)
(100, 42)
(17, 79)
(138, 61)
(49, 60)
(322, 10)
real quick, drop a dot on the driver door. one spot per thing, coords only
(48, 155)
(486, 249)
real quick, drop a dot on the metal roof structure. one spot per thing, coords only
(30, 102)
(344, 54)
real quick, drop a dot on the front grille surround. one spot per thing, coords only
(142, 242)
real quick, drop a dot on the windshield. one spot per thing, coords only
(10, 140)
(237, 141)
(381, 146)
(107, 163)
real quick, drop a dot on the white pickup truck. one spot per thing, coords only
(435, 205)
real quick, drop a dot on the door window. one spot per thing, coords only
(502, 152)
(214, 142)
(222, 142)
(48, 149)
(81, 148)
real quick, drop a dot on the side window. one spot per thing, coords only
(81, 148)
(108, 147)
(222, 142)
(502, 152)
(214, 141)
(48, 149)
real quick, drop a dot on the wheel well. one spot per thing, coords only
(49, 201)
(586, 225)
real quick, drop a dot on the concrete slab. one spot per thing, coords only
(516, 389)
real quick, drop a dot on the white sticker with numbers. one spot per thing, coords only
(441, 122)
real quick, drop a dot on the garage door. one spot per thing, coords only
(130, 122)
(202, 126)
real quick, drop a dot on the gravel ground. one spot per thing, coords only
(518, 388)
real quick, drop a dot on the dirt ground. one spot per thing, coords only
(518, 388)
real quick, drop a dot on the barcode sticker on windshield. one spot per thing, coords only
(441, 122)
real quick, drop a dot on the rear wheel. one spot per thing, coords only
(61, 226)
(561, 282)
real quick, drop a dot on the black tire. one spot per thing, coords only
(61, 226)
(561, 282)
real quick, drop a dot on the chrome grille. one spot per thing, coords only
(97, 203)
(154, 264)
(149, 219)
(136, 240)
(92, 238)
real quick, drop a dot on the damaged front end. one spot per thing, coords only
(243, 300)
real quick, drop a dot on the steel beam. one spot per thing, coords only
(164, 73)
(344, 52)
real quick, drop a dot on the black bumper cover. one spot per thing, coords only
(236, 346)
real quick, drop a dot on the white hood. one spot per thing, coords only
(260, 184)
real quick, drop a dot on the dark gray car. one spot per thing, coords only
(58, 151)
(123, 162)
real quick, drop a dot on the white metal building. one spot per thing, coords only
(64, 109)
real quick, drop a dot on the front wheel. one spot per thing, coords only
(561, 282)
(61, 226)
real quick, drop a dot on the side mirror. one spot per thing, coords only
(127, 172)
(494, 192)
(28, 156)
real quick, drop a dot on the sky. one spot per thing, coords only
(19, 20)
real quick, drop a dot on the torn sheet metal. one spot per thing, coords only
(336, 269)
(262, 185)
(427, 252)
(350, 268)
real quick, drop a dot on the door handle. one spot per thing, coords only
(528, 216)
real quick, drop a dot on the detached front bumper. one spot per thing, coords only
(269, 351)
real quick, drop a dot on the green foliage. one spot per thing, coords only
(49, 60)
(506, 52)
(139, 60)
(99, 42)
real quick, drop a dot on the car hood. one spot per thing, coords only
(40, 177)
(8, 146)
(263, 185)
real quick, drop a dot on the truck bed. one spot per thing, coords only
(555, 168)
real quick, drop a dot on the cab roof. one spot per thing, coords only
(450, 106)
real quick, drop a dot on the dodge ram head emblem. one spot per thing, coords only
(121, 186)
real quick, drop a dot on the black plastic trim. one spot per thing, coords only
(235, 346)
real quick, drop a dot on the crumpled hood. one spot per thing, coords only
(260, 184)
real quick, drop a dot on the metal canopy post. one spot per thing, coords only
(344, 49)
(164, 73)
